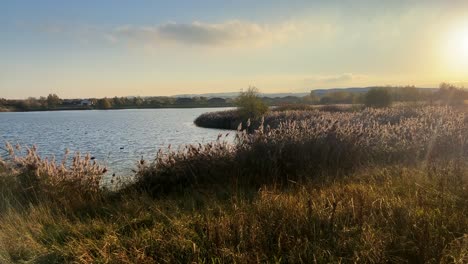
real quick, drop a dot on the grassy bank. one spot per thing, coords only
(384, 215)
(370, 186)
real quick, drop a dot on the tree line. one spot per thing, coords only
(446, 94)
(377, 96)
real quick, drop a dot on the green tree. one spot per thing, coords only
(53, 100)
(104, 103)
(378, 97)
(250, 105)
(137, 101)
(116, 101)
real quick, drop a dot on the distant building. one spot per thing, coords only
(86, 102)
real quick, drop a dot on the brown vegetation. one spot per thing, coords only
(372, 186)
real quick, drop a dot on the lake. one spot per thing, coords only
(116, 138)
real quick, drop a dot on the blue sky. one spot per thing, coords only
(118, 48)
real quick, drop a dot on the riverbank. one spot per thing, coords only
(375, 186)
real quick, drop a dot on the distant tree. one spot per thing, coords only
(452, 95)
(250, 104)
(117, 102)
(326, 100)
(104, 103)
(33, 103)
(53, 100)
(217, 100)
(338, 97)
(138, 101)
(154, 102)
(378, 97)
(409, 94)
(312, 98)
(43, 101)
(3, 102)
(184, 100)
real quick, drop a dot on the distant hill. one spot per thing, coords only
(319, 92)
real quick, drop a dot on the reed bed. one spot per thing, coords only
(228, 119)
(231, 119)
(290, 145)
(28, 178)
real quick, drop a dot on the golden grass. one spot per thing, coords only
(375, 216)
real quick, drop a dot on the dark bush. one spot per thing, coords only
(378, 97)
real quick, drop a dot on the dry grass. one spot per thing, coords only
(374, 216)
(291, 145)
(30, 179)
(375, 186)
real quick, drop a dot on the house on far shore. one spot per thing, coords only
(86, 102)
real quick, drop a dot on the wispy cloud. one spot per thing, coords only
(230, 33)
(335, 79)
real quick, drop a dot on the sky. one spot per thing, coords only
(81, 49)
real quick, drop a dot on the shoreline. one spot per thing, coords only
(100, 109)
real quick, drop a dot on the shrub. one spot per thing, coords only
(451, 95)
(378, 97)
(229, 119)
(250, 105)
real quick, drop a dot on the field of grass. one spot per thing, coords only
(305, 186)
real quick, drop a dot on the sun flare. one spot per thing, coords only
(462, 44)
(457, 47)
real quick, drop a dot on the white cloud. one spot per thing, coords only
(230, 33)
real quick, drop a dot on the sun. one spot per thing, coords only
(461, 43)
(456, 49)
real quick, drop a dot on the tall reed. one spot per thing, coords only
(290, 145)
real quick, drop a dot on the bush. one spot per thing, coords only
(378, 97)
(250, 105)
(451, 95)
(229, 119)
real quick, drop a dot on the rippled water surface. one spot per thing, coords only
(117, 138)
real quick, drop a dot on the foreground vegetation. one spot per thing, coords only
(310, 186)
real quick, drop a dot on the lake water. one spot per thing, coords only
(116, 138)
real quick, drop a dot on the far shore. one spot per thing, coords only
(8, 110)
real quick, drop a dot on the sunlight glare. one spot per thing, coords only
(458, 46)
